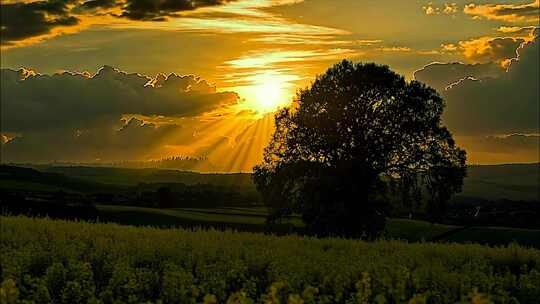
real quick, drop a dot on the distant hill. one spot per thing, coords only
(126, 176)
(488, 182)
(29, 179)
(512, 181)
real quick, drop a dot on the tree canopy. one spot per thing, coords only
(340, 145)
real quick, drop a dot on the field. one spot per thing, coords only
(244, 212)
(253, 220)
(68, 262)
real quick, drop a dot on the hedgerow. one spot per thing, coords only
(50, 261)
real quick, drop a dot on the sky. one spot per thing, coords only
(117, 80)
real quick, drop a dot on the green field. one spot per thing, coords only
(50, 261)
(243, 219)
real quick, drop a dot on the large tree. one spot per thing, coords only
(356, 130)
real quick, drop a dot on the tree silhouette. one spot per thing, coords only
(356, 130)
(165, 198)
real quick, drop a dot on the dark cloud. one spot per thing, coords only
(159, 10)
(22, 20)
(504, 105)
(131, 140)
(135, 139)
(78, 101)
(80, 117)
(484, 102)
(441, 75)
(93, 4)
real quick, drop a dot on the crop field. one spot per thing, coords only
(52, 261)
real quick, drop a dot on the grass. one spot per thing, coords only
(414, 230)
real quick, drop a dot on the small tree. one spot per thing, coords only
(334, 150)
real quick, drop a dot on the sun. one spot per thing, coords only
(265, 92)
(269, 96)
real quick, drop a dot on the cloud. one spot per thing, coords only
(117, 116)
(525, 31)
(503, 105)
(300, 39)
(395, 49)
(487, 49)
(505, 12)
(23, 20)
(160, 10)
(133, 139)
(441, 75)
(75, 100)
(268, 58)
(228, 143)
(492, 111)
(446, 9)
(493, 49)
(449, 47)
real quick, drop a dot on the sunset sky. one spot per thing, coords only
(111, 80)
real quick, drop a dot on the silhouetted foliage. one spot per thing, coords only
(341, 142)
(164, 197)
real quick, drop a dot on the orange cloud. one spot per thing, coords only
(505, 12)
(446, 9)
(488, 49)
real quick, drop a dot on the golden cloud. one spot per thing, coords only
(505, 12)
(489, 49)
(446, 9)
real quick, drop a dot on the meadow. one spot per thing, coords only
(56, 261)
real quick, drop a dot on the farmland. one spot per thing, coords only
(229, 201)
(74, 262)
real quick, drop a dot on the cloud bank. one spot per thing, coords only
(494, 113)
(78, 116)
(77, 100)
